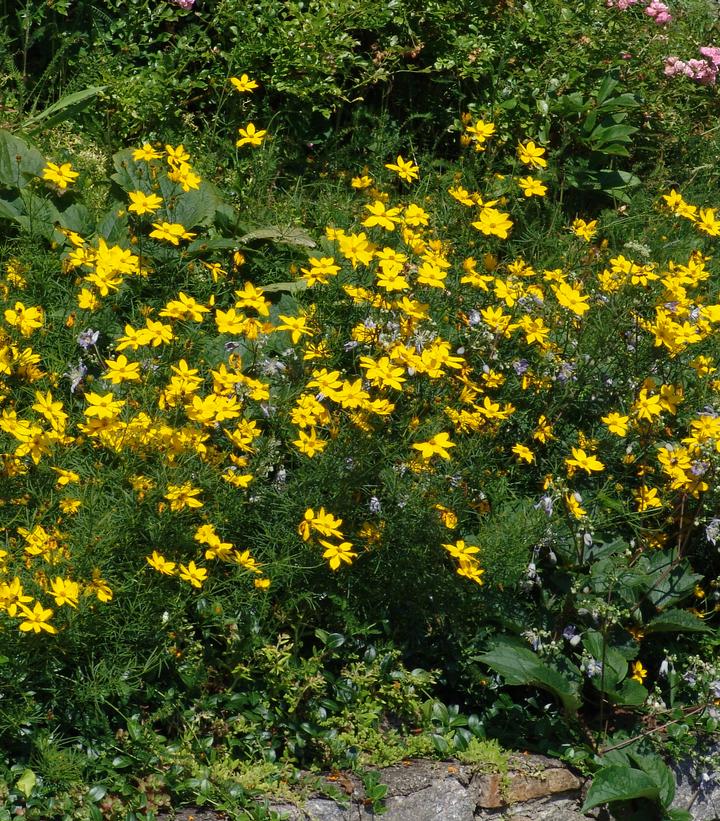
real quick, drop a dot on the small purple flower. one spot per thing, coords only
(565, 372)
(712, 531)
(375, 506)
(76, 375)
(88, 338)
(593, 668)
(546, 505)
(521, 366)
(184, 4)
(570, 634)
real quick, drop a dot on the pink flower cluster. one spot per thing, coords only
(702, 71)
(653, 8)
(184, 4)
(659, 12)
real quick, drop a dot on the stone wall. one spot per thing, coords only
(536, 788)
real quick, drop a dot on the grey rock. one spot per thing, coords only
(700, 797)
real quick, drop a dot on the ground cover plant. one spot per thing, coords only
(321, 458)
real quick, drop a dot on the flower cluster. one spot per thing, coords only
(656, 9)
(703, 71)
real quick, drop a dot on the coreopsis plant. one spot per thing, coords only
(177, 428)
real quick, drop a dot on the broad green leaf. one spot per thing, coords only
(201, 246)
(290, 287)
(19, 162)
(618, 783)
(26, 783)
(660, 773)
(39, 215)
(113, 226)
(621, 101)
(65, 108)
(677, 621)
(97, 792)
(8, 211)
(130, 175)
(77, 218)
(615, 666)
(604, 135)
(670, 584)
(608, 85)
(289, 236)
(520, 666)
(190, 208)
(631, 694)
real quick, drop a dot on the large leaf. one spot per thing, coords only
(619, 783)
(290, 287)
(290, 236)
(520, 666)
(189, 208)
(676, 621)
(77, 218)
(39, 214)
(631, 694)
(19, 162)
(8, 211)
(64, 109)
(660, 773)
(671, 582)
(615, 666)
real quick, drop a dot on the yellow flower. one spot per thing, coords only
(182, 496)
(532, 187)
(337, 553)
(146, 153)
(437, 444)
(524, 454)
(171, 232)
(309, 444)
(243, 84)
(586, 230)
(65, 591)
(363, 181)
(70, 506)
(573, 501)
(585, 461)
(532, 155)
(639, 672)
(193, 574)
(120, 370)
(647, 498)
(570, 297)
(461, 551)
(493, 223)
(160, 563)
(142, 203)
(36, 619)
(61, 175)
(99, 586)
(297, 325)
(405, 169)
(250, 136)
(447, 517)
(383, 217)
(26, 320)
(616, 423)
